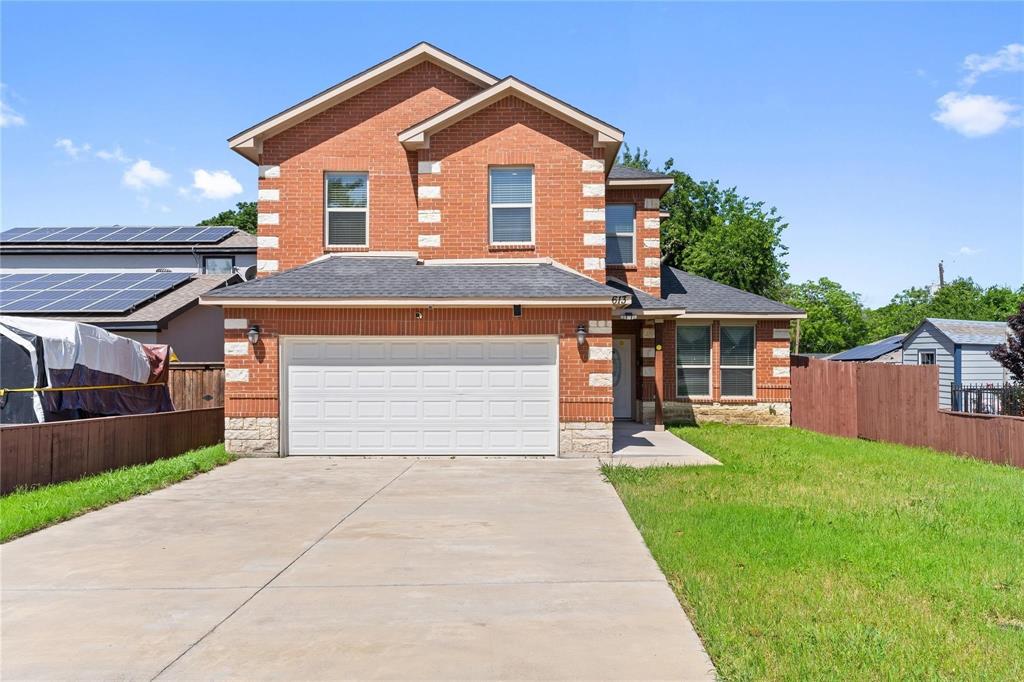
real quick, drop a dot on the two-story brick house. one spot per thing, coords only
(451, 263)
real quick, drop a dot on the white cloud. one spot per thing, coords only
(1010, 58)
(9, 118)
(116, 154)
(215, 184)
(968, 251)
(974, 115)
(69, 147)
(143, 174)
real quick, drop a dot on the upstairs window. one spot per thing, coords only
(693, 361)
(512, 205)
(620, 234)
(218, 265)
(737, 361)
(346, 201)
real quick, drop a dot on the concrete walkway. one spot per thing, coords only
(318, 568)
(639, 445)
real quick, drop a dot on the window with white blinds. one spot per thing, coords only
(620, 234)
(511, 205)
(737, 361)
(346, 201)
(693, 361)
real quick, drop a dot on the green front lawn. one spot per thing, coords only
(24, 511)
(809, 556)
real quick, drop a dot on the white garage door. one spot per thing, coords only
(419, 396)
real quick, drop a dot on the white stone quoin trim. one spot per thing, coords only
(599, 327)
(236, 348)
(592, 166)
(780, 352)
(270, 171)
(647, 333)
(428, 167)
(652, 281)
(429, 192)
(601, 353)
(780, 333)
(268, 219)
(647, 352)
(652, 223)
(593, 239)
(593, 214)
(267, 242)
(236, 323)
(780, 371)
(652, 262)
(600, 379)
(234, 374)
(593, 190)
(429, 216)
(429, 240)
(647, 371)
(266, 266)
(652, 203)
(593, 263)
(269, 195)
(652, 243)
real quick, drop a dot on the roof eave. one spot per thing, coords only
(404, 302)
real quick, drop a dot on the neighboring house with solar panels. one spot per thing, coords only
(452, 263)
(961, 350)
(140, 282)
(889, 351)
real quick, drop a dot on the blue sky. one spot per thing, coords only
(889, 136)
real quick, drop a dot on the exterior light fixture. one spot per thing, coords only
(254, 334)
(581, 335)
(629, 316)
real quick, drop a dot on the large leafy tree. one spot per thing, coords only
(961, 299)
(243, 216)
(836, 318)
(1011, 354)
(718, 233)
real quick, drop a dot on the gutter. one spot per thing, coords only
(614, 301)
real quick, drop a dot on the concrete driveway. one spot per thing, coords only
(318, 568)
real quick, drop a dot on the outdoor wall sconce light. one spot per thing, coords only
(254, 334)
(581, 335)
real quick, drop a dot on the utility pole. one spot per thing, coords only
(942, 275)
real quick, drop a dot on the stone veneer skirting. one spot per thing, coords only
(584, 439)
(251, 436)
(760, 414)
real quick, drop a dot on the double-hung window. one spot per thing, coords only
(347, 219)
(693, 361)
(737, 361)
(926, 357)
(511, 205)
(620, 234)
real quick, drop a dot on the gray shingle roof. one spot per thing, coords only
(620, 172)
(641, 299)
(403, 277)
(699, 295)
(870, 351)
(970, 331)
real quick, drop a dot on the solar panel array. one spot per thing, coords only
(115, 235)
(77, 292)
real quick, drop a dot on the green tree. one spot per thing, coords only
(718, 233)
(243, 216)
(903, 313)
(835, 317)
(961, 299)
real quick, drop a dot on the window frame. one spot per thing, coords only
(752, 366)
(227, 257)
(708, 367)
(631, 263)
(532, 206)
(328, 211)
(930, 352)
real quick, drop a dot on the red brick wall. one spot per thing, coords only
(513, 132)
(259, 396)
(769, 388)
(637, 275)
(360, 134)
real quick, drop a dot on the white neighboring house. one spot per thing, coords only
(84, 265)
(961, 350)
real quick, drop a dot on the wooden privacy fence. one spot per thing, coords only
(897, 404)
(36, 454)
(195, 385)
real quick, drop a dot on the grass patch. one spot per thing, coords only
(814, 557)
(24, 511)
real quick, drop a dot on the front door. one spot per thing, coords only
(622, 377)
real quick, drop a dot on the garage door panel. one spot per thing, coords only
(416, 396)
